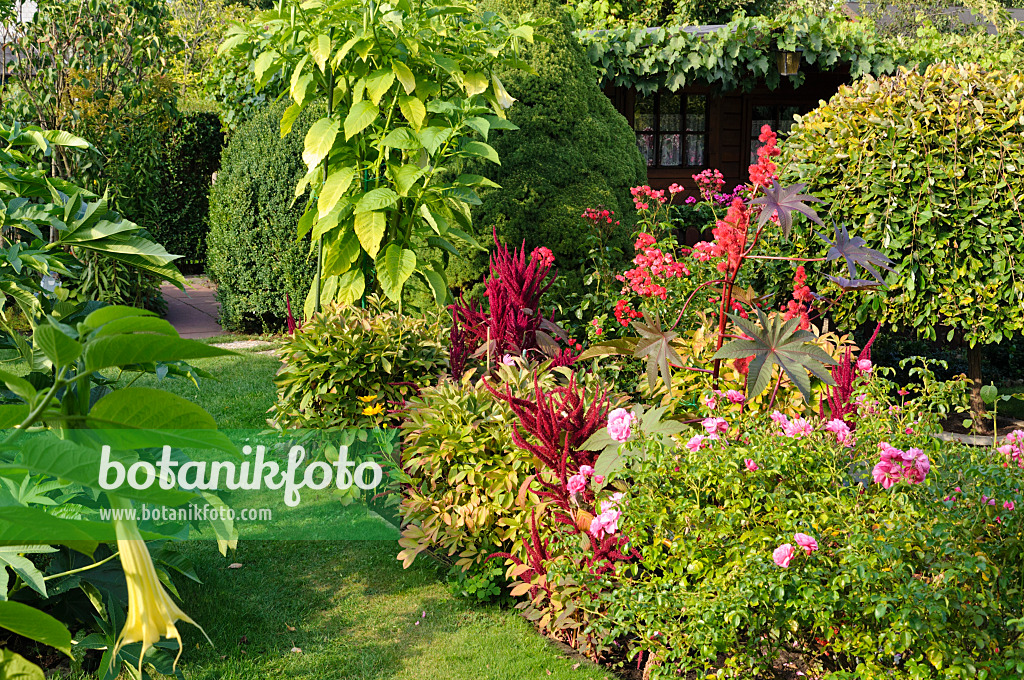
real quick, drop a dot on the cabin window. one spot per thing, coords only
(672, 129)
(780, 118)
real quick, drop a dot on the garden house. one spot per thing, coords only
(697, 96)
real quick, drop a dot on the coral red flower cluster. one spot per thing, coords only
(545, 258)
(709, 183)
(734, 306)
(731, 236)
(597, 215)
(623, 312)
(644, 195)
(800, 305)
(730, 239)
(763, 172)
(651, 263)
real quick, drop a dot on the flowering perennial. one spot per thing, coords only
(894, 466)
(763, 172)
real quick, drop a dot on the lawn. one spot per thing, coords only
(347, 605)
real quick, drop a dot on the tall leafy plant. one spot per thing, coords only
(412, 92)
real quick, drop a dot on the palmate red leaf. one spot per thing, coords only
(655, 345)
(784, 202)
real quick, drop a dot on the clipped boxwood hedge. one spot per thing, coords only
(253, 254)
(927, 167)
(572, 151)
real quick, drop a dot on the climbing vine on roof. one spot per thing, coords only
(740, 54)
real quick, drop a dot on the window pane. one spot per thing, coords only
(646, 144)
(670, 116)
(696, 112)
(643, 113)
(762, 115)
(671, 150)
(695, 151)
(786, 121)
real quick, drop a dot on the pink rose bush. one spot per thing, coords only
(894, 466)
(794, 429)
(785, 553)
(620, 423)
(607, 523)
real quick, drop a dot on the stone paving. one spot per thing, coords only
(194, 311)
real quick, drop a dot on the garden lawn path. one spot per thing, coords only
(349, 606)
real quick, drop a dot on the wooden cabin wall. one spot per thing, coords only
(730, 124)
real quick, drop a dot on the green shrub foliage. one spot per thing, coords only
(572, 151)
(352, 367)
(191, 155)
(253, 254)
(468, 493)
(928, 166)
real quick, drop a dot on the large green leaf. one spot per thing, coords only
(335, 186)
(394, 267)
(777, 342)
(319, 141)
(12, 557)
(14, 666)
(56, 345)
(35, 625)
(64, 459)
(656, 345)
(369, 227)
(413, 110)
(379, 82)
(24, 526)
(376, 199)
(359, 118)
(126, 350)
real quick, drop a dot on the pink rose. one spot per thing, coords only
(1005, 449)
(751, 465)
(735, 397)
(607, 522)
(576, 484)
(1009, 505)
(864, 365)
(713, 425)
(598, 479)
(620, 422)
(806, 542)
(783, 555)
(695, 443)
(885, 474)
(586, 470)
(710, 402)
(779, 417)
(797, 428)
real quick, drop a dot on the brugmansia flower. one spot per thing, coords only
(151, 611)
(505, 100)
(373, 410)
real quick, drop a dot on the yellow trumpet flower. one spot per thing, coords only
(151, 611)
(373, 410)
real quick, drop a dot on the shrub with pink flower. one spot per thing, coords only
(806, 542)
(576, 484)
(783, 555)
(895, 465)
(714, 425)
(751, 465)
(794, 429)
(841, 430)
(735, 397)
(1013, 448)
(607, 523)
(620, 423)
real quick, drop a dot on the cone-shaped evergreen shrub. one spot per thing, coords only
(572, 150)
(253, 254)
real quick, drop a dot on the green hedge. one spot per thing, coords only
(253, 253)
(572, 151)
(191, 156)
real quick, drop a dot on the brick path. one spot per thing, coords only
(193, 312)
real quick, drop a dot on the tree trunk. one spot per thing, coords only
(978, 412)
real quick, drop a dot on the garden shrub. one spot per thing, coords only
(253, 254)
(910, 570)
(353, 367)
(572, 151)
(468, 495)
(928, 165)
(191, 154)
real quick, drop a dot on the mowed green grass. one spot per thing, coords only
(349, 606)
